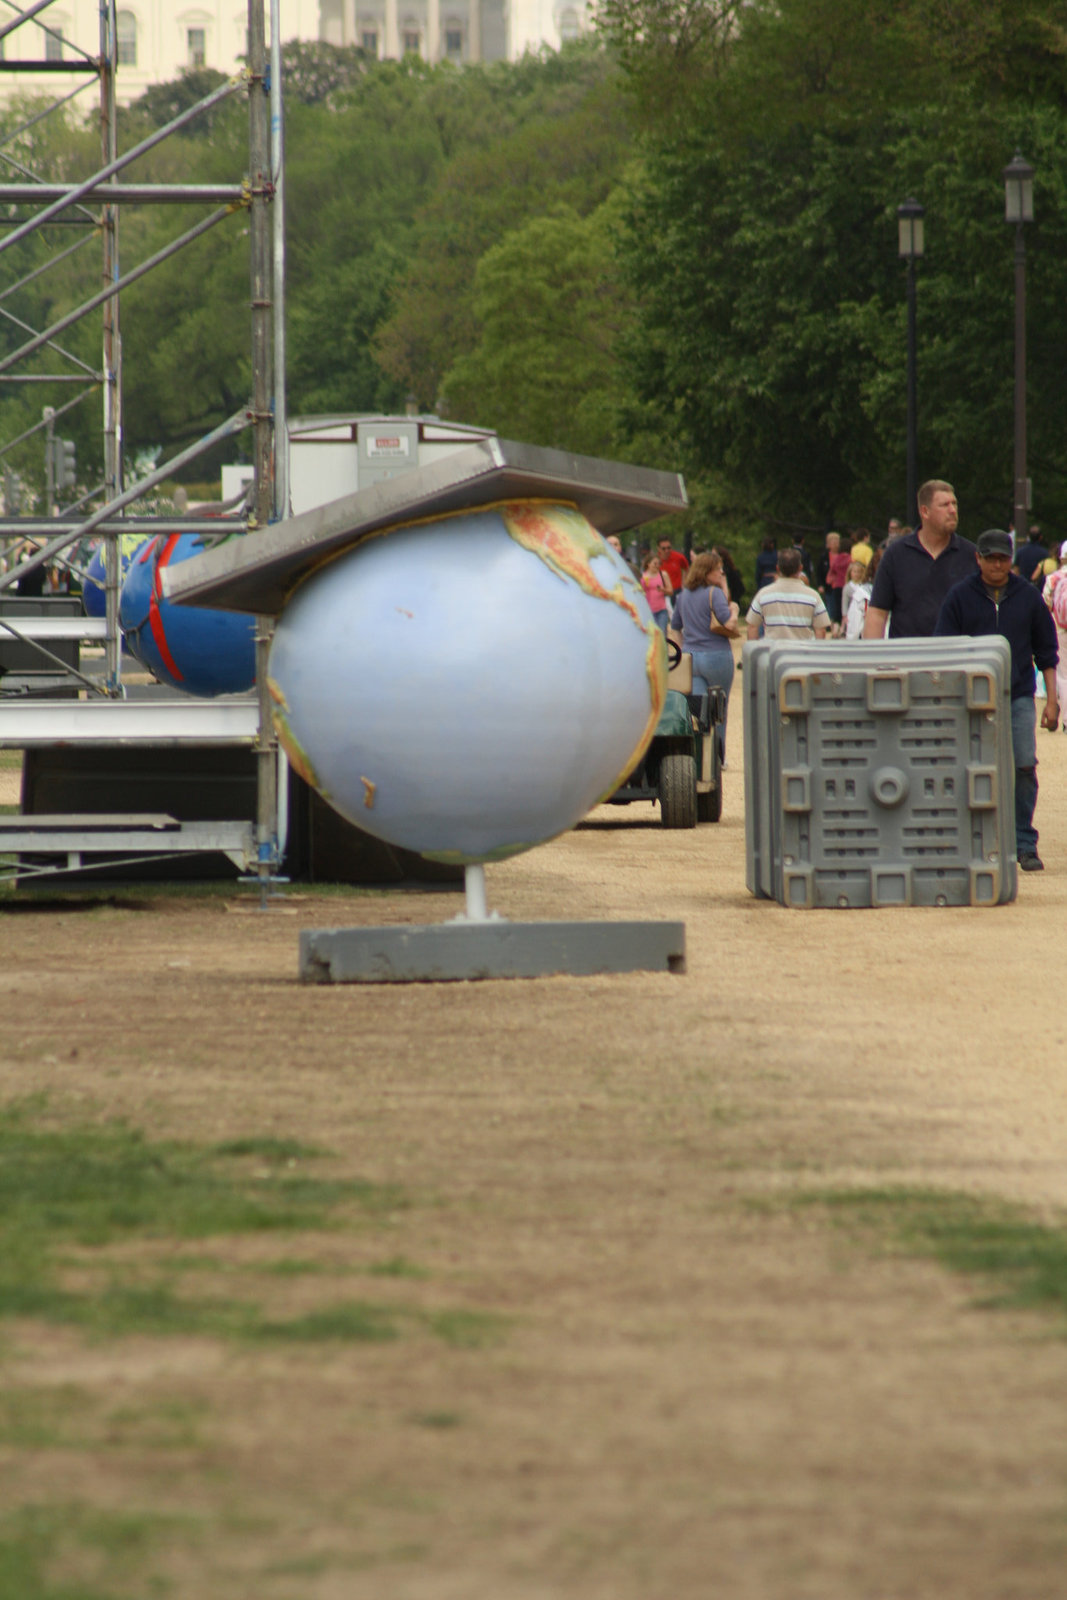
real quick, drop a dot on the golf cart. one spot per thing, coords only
(682, 767)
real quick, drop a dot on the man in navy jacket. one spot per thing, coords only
(996, 600)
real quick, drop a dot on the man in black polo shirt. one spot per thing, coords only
(917, 570)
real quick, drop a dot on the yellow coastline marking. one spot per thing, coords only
(566, 542)
(500, 852)
(656, 667)
(299, 759)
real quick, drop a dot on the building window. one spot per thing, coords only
(196, 47)
(369, 41)
(411, 41)
(53, 43)
(453, 41)
(126, 38)
(569, 27)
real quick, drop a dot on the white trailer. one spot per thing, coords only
(334, 456)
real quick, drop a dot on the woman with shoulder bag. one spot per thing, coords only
(705, 619)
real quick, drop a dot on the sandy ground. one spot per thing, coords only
(698, 1389)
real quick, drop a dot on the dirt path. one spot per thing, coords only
(692, 1392)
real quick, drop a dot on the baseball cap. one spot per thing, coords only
(994, 542)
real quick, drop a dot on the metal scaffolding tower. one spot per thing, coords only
(38, 207)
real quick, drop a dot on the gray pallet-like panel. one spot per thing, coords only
(879, 773)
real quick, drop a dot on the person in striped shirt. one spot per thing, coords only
(787, 608)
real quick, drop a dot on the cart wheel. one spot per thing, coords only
(678, 791)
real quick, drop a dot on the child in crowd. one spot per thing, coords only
(856, 573)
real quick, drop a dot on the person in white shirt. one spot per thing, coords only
(788, 608)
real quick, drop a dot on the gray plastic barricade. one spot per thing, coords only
(879, 772)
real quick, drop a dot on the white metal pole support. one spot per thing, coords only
(261, 189)
(477, 906)
(474, 883)
(277, 167)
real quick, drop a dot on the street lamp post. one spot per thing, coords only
(1019, 208)
(911, 244)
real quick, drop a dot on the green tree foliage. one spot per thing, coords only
(558, 137)
(45, 277)
(690, 262)
(357, 172)
(399, 178)
(772, 63)
(363, 150)
(549, 304)
(762, 248)
(750, 322)
(316, 73)
(185, 324)
(163, 102)
(669, 51)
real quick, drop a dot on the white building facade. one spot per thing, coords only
(453, 30)
(159, 39)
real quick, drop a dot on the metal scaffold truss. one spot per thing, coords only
(35, 207)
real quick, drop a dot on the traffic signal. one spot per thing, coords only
(64, 463)
(12, 492)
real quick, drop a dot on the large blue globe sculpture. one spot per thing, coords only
(469, 687)
(204, 652)
(94, 595)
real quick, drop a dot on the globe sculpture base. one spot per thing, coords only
(481, 944)
(453, 952)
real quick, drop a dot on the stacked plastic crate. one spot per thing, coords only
(879, 773)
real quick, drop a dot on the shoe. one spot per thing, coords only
(1031, 862)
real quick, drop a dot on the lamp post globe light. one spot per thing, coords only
(1019, 208)
(911, 243)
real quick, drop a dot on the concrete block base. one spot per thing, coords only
(455, 951)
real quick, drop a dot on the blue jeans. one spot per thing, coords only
(1024, 752)
(713, 669)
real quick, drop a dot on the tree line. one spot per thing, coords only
(673, 244)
